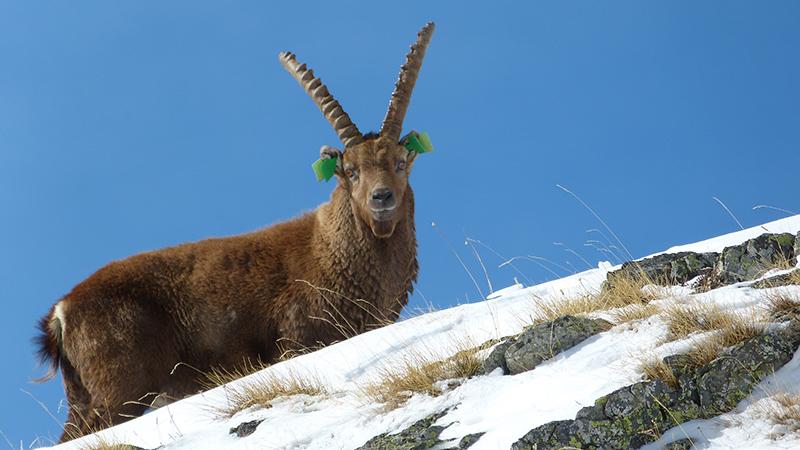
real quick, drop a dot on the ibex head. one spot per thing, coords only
(372, 168)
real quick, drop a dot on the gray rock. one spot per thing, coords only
(752, 258)
(797, 247)
(497, 358)
(681, 444)
(468, 440)
(421, 435)
(592, 413)
(665, 269)
(541, 342)
(246, 429)
(731, 377)
(785, 279)
(633, 416)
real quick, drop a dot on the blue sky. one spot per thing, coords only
(126, 127)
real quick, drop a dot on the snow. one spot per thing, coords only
(504, 407)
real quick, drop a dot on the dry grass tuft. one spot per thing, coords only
(794, 276)
(263, 388)
(783, 303)
(420, 373)
(654, 368)
(700, 318)
(685, 320)
(634, 312)
(567, 306)
(734, 329)
(219, 376)
(783, 262)
(625, 291)
(784, 410)
(704, 351)
(101, 443)
(728, 329)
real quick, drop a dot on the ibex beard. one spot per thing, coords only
(146, 326)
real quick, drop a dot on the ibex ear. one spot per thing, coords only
(328, 164)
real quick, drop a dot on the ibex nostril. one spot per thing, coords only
(382, 195)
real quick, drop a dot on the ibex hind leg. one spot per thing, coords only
(115, 361)
(88, 415)
(78, 401)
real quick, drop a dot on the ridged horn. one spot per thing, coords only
(393, 122)
(345, 128)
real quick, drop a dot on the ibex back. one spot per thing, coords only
(143, 326)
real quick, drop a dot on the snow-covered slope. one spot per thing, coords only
(504, 407)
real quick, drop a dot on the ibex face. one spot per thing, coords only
(373, 168)
(375, 173)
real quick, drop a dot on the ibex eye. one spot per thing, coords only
(401, 165)
(351, 173)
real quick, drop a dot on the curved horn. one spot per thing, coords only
(393, 122)
(346, 129)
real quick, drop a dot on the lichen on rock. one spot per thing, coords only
(496, 358)
(680, 444)
(797, 247)
(730, 378)
(540, 342)
(423, 434)
(635, 415)
(754, 257)
(665, 269)
(784, 279)
(246, 428)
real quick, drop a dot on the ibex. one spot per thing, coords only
(146, 324)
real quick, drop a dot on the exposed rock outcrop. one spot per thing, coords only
(754, 257)
(497, 357)
(541, 342)
(246, 428)
(784, 279)
(468, 440)
(665, 269)
(635, 415)
(680, 444)
(737, 263)
(797, 246)
(423, 434)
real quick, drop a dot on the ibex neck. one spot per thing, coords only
(379, 270)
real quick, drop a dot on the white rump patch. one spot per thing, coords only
(57, 323)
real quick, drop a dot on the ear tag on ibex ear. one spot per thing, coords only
(418, 142)
(324, 168)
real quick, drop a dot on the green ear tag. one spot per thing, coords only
(324, 168)
(419, 142)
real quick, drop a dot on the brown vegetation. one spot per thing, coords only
(421, 373)
(262, 388)
(784, 410)
(719, 330)
(783, 303)
(654, 368)
(626, 291)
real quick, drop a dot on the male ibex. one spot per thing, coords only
(118, 335)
